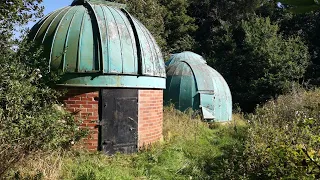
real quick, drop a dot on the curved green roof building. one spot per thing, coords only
(191, 57)
(113, 73)
(99, 44)
(191, 83)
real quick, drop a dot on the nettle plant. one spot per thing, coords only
(31, 117)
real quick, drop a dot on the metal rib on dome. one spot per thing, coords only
(193, 84)
(93, 40)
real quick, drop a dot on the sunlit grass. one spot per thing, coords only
(190, 149)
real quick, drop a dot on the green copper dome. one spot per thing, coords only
(99, 44)
(191, 57)
(191, 83)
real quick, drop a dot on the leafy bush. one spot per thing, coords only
(259, 63)
(284, 137)
(31, 118)
(281, 141)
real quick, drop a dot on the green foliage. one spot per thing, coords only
(213, 16)
(283, 138)
(259, 59)
(232, 39)
(257, 62)
(307, 26)
(179, 26)
(31, 118)
(301, 6)
(13, 14)
(305, 22)
(280, 141)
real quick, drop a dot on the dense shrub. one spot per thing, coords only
(284, 137)
(282, 141)
(31, 118)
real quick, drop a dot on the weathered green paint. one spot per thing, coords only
(96, 37)
(92, 80)
(191, 83)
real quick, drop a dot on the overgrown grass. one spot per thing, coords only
(191, 149)
(280, 141)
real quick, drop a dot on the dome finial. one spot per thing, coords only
(108, 3)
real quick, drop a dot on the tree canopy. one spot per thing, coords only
(301, 6)
(16, 13)
(260, 46)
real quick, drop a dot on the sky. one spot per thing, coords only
(49, 6)
(52, 5)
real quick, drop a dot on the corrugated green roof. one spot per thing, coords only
(194, 84)
(92, 37)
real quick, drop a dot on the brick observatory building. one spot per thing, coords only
(113, 71)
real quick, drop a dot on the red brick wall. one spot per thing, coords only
(150, 116)
(84, 103)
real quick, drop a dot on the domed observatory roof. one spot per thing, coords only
(191, 57)
(191, 83)
(99, 44)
